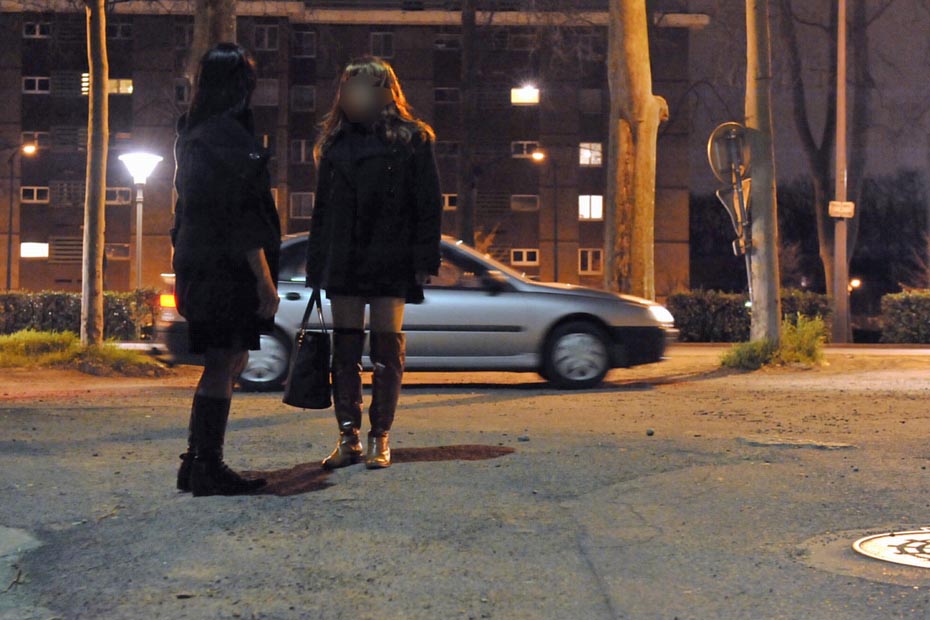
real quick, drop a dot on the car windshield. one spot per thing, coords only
(488, 260)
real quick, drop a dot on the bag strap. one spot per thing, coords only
(315, 300)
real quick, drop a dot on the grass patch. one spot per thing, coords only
(801, 345)
(34, 349)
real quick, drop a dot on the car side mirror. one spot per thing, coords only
(494, 281)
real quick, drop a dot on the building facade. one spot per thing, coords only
(542, 87)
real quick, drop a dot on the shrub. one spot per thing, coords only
(801, 341)
(906, 317)
(34, 349)
(711, 316)
(749, 355)
(127, 316)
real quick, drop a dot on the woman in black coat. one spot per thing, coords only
(374, 240)
(227, 238)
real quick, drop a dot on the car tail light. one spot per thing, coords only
(167, 301)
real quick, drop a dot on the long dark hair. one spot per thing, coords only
(224, 84)
(397, 121)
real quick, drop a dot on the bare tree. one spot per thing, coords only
(214, 22)
(766, 308)
(98, 137)
(635, 115)
(467, 178)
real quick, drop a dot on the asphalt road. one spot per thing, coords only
(741, 504)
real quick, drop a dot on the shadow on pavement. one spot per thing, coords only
(310, 477)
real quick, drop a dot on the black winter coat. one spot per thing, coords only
(377, 219)
(224, 210)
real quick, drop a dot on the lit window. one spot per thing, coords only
(590, 261)
(266, 37)
(446, 95)
(525, 95)
(450, 202)
(523, 149)
(37, 30)
(302, 205)
(117, 86)
(524, 257)
(37, 85)
(524, 202)
(303, 98)
(382, 44)
(30, 249)
(304, 44)
(591, 208)
(33, 194)
(591, 154)
(118, 196)
(301, 151)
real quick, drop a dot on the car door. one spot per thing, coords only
(471, 318)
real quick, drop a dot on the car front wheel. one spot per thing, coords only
(576, 356)
(267, 367)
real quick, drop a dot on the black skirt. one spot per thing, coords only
(203, 335)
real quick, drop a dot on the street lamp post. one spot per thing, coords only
(25, 149)
(140, 166)
(540, 156)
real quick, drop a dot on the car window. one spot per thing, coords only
(293, 265)
(458, 272)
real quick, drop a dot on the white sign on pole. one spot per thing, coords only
(845, 210)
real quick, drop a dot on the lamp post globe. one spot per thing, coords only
(140, 165)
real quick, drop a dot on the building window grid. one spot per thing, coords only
(304, 44)
(302, 205)
(118, 196)
(590, 261)
(40, 139)
(37, 85)
(37, 30)
(265, 37)
(450, 202)
(382, 44)
(523, 149)
(591, 154)
(301, 151)
(119, 29)
(524, 257)
(591, 208)
(303, 98)
(524, 202)
(34, 194)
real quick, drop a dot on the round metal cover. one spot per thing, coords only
(909, 548)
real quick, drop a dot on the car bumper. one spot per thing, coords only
(633, 346)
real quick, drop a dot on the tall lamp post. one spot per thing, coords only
(539, 156)
(29, 150)
(140, 166)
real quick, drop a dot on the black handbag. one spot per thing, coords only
(308, 379)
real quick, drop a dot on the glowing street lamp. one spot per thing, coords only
(28, 150)
(140, 166)
(540, 156)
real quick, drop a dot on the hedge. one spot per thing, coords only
(127, 316)
(906, 317)
(712, 316)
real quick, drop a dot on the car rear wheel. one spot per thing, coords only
(267, 368)
(576, 356)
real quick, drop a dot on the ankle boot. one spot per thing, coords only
(388, 351)
(347, 396)
(209, 474)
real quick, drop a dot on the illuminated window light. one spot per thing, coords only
(29, 249)
(525, 95)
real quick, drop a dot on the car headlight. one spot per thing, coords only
(660, 314)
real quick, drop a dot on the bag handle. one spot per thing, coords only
(315, 300)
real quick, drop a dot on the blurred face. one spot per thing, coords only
(362, 98)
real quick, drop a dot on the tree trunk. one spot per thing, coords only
(467, 178)
(214, 22)
(635, 115)
(98, 137)
(766, 310)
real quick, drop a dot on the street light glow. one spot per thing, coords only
(29, 149)
(140, 165)
(538, 155)
(855, 283)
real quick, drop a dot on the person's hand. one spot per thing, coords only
(421, 278)
(267, 298)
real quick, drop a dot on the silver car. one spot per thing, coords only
(478, 315)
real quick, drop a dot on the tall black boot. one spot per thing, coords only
(347, 396)
(209, 474)
(388, 352)
(187, 459)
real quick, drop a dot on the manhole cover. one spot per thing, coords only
(909, 548)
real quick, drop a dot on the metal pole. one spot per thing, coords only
(840, 264)
(555, 219)
(139, 197)
(9, 230)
